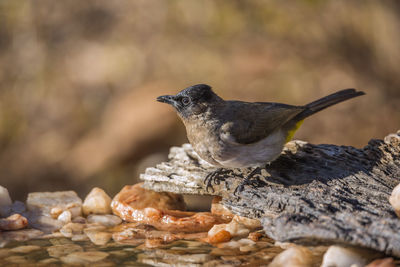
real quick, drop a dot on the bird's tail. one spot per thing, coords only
(327, 101)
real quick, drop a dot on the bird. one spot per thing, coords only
(232, 134)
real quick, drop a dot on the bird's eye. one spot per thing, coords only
(185, 101)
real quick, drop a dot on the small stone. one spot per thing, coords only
(97, 202)
(106, 220)
(294, 256)
(80, 237)
(4, 252)
(220, 236)
(62, 250)
(65, 216)
(394, 199)
(84, 257)
(5, 202)
(44, 202)
(99, 238)
(21, 235)
(55, 212)
(17, 259)
(343, 257)
(24, 249)
(13, 222)
(43, 222)
(49, 261)
(235, 228)
(71, 229)
(79, 219)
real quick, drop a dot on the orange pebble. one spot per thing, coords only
(221, 236)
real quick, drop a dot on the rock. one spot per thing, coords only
(44, 202)
(337, 256)
(106, 220)
(307, 195)
(58, 251)
(97, 202)
(24, 249)
(135, 204)
(21, 235)
(395, 199)
(44, 206)
(84, 257)
(5, 202)
(43, 222)
(99, 238)
(65, 216)
(72, 229)
(294, 257)
(235, 229)
(13, 222)
(20, 260)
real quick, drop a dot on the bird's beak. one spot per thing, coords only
(169, 99)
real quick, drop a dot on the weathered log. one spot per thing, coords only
(310, 194)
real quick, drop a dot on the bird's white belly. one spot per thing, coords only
(237, 155)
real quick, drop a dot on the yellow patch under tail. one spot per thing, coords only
(292, 131)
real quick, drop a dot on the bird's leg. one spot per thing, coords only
(216, 177)
(246, 181)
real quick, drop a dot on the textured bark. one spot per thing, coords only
(310, 194)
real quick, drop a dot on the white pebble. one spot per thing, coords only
(295, 257)
(65, 216)
(337, 256)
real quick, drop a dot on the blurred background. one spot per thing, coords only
(78, 79)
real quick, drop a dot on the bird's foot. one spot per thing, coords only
(246, 181)
(216, 177)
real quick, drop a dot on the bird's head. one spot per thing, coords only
(191, 101)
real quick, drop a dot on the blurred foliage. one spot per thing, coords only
(78, 78)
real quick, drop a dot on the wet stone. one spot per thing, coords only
(24, 249)
(58, 251)
(106, 220)
(84, 257)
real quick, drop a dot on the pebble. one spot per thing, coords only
(24, 249)
(65, 216)
(5, 202)
(81, 237)
(107, 220)
(13, 222)
(343, 257)
(17, 259)
(44, 222)
(21, 235)
(72, 229)
(97, 202)
(99, 238)
(235, 228)
(58, 251)
(294, 256)
(84, 257)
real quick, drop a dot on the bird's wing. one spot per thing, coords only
(252, 122)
